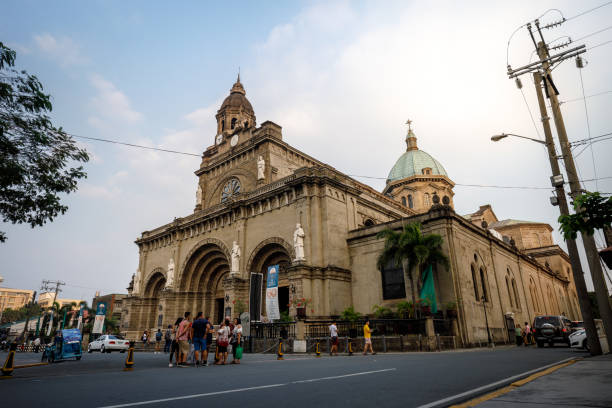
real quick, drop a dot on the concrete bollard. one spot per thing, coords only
(129, 360)
(350, 348)
(318, 349)
(384, 342)
(9, 364)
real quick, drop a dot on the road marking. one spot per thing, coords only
(342, 376)
(182, 397)
(484, 388)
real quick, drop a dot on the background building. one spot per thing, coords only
(46, 299)
(14, 298)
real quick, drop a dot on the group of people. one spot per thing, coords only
(523, 335)
(189, 340)
(367, 338)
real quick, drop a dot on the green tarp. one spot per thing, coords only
(428, 290)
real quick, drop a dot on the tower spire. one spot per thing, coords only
(411, 140)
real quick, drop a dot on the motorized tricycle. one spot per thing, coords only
(66, 344)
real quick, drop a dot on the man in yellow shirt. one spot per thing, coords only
(367, 335)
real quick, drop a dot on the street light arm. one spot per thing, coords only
(496, 138)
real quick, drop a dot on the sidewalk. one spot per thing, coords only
(586, 383)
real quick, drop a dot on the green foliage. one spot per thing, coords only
(350, 314)
(35, 156)
(405, 310)
(13, 315)
(411, 249)
(284, 317)
(382, 312)
(592, 212)
(239, 307)
(451, 306)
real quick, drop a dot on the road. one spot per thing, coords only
(390, 380)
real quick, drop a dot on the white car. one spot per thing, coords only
(578, 339)
(107, 343)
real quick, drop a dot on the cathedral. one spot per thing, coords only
(262, 202)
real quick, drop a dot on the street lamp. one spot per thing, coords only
(497, 138)
(484, 307)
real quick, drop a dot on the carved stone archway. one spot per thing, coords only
(270, 241)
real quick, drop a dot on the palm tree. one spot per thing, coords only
(411, 249)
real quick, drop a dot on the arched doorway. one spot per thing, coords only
(201, 281)
(152, 292)
(273, 251)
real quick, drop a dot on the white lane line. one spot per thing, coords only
(182, 397)
(493, 385)
(342, 376)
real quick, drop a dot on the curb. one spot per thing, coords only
(31, 365)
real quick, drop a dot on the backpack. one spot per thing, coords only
(168, 336)
(158, 336)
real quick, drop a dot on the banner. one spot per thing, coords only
(80, 323)
(98, 326)
(272, 293)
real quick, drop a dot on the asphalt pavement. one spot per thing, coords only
(392, 379)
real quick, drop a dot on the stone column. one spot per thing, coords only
(236, 288)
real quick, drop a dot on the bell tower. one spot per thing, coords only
(236, 112)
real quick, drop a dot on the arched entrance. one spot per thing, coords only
(202, 275)
(273, 251)
(152, 292)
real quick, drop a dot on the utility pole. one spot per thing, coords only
(590, 248)
(47, 285)
(572, 249)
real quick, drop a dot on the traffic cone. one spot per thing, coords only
(129, 360)
(350, 348)
(318, 349)
(8, 367)
(280, 350)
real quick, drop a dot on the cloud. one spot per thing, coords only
(110, 104)
(62, 49)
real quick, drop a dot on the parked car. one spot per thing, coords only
(551, 330)
(107, 343)
(579, 340)
(577, 325)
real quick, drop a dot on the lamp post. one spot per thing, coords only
(484, 307)
(561, 200)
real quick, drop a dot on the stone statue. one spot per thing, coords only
(261, 168)
(170, 275)
(136, 288)
(199, 195)
(235, 258)
(298, 242)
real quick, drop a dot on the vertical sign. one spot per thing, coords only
(80, 323)
(255, 298)
(99, 320)
(272, 293)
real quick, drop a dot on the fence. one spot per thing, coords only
(443, 327)
(380, 327)
(275, 330)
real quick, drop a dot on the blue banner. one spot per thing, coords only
(272, 293)
(101, 309)
(272, 276)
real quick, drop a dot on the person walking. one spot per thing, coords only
(145, 339)
(519, 335)
(158, 339)
(168, 339)
(237, 341)
(367, 336)
(222, 343)
(199, 329)
(333, 334)
(174, 347)
(183, 336)
(527, 336)
(209, 339)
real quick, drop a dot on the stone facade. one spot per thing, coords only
(253, 189)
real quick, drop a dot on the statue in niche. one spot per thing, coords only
(199, 195)
(261, 168)
(136, 288)
(298, 242)
(235, 267)
(170, 275)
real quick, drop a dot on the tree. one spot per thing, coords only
(411, 249)
(35, 156)
(592, 212)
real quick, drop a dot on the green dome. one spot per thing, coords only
(412, 163)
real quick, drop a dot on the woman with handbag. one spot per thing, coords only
(237, 342)
(222, 343)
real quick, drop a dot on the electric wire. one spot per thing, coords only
(590, 145)
(588, 96)
(588, 122)
(599, 45)
(593, 33)
(134, 145)
(588, 11)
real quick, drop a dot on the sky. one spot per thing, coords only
(340, 77)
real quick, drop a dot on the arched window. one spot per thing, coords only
(393, 282)
(410, 202)
(516, 295)
(246, 124)
(234, 122)
(475, 282)
(404, 201)
(509, 292)
(484, 285)
(427, 200)
(368, 223)
(534, 295)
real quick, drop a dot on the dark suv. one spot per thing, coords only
(551, 329)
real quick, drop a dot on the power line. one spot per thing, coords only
(593, 33)
(588, 11)
(588, 122)
(599, 45)
(134, 145)
(588, 96)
